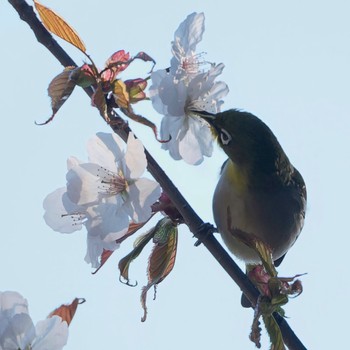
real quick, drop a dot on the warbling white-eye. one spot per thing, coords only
(259, 191)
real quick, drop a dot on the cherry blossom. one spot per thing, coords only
(186, 86)
(17, 330)
(103, 194)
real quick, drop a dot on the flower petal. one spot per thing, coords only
(108, 221)
(217, 92)
(12, 303)
(172, 126)
(105, 149)
(57, 205)
(95, 248)
(142, 194)
(51, 333)
(83, 184)
(18, 332)
(201, 84)
(135, 158)
(16, 326)
(94, 251)
(155, 90)
(195, 142)
(167, 97)
(174, 96)
(189, 34)
(184, 88)
(72, 162)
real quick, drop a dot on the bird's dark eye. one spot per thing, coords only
(225, 137)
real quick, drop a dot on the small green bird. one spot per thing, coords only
(259, 191)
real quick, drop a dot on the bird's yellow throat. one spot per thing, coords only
(237, 176)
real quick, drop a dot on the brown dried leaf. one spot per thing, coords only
(139, 244)
(255, 333)
(66, 312)
(162, 259)
(59, 90)
(120, 94)
(99, 101)
(142, 120)
(57, 25)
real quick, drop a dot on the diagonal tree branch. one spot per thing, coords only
(203, 232)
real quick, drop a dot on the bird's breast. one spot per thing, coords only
(272, 216)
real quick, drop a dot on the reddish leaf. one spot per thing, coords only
(165, 205)
(66, 312)
(118, 62)
(59, 90)
(57, 25)
(162, 259)
(118, 57)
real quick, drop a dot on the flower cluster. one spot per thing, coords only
(17, 331)
(185, 87)
(104, 194)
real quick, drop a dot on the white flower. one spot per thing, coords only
(184, 88)
(17, 330)
(104, 194)
(185, 62)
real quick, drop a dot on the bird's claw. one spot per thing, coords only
(205, 230)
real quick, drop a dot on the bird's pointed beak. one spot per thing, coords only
(209, 117)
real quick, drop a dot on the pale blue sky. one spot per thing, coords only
(287, 62)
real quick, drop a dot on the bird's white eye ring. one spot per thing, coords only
(225, 137)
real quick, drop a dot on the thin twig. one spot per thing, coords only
(201, 231)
